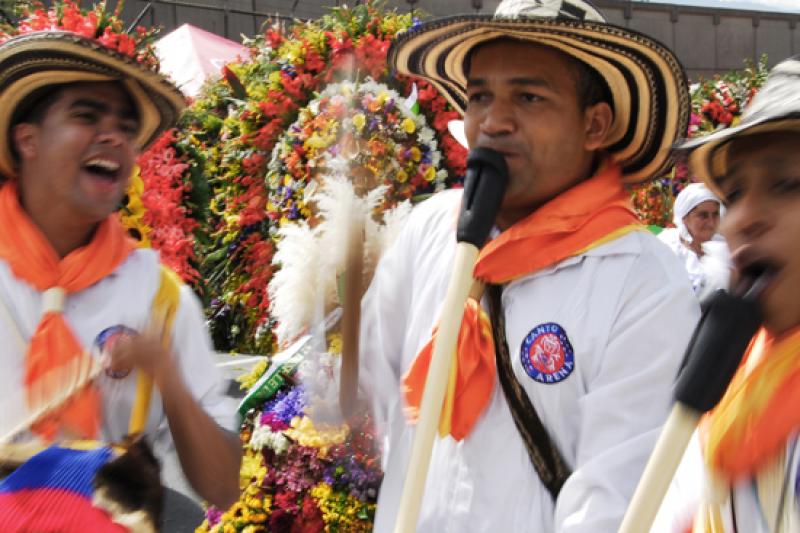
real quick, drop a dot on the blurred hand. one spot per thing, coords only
(143, 351)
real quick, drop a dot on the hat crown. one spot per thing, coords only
(780, 94)
(569, 9)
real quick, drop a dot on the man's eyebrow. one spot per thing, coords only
(521, 80)
(102, 107)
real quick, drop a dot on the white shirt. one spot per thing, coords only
(707, 273)
(772, 508)
(123, 298)
(628, 312)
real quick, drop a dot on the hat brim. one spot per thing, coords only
(708, 155)
(32, 62)
(647, 83)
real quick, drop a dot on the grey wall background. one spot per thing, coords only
(707, 41)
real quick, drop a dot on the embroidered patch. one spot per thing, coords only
(106, 340)
(547, 354)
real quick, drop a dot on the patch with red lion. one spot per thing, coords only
(547, 354)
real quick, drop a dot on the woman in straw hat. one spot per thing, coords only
(590, 315)
(749, 441)
(73, 117)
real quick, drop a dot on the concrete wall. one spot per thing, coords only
(706, 41)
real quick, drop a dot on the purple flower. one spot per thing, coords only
(213, 515)
(285, 405)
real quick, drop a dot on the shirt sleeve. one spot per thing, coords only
(628, 396)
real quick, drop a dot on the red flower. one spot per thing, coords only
(310, 519)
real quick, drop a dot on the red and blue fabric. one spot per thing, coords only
(547, 354)
(52, 492)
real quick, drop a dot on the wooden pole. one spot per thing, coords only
(351, 316)
(435, 386)
(660, 468)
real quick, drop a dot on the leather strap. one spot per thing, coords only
(544, 455)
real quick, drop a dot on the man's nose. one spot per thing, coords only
(110, 131)
(499, 119)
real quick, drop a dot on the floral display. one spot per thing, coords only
(716, 103)
(298, 476)
(240, 121)
(170, 197)
(362, 130)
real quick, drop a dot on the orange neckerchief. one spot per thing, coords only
(760, 409)
(592, 213)
(53, 344)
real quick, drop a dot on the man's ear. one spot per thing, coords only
(24, 137)
(598, 120)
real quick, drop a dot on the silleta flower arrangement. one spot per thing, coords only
(365, 131)
(237, 123)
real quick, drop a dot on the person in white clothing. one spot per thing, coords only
(747, 454)
(75, 115)
(590, 315)
(696, 241)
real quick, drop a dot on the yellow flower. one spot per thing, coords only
(359, 120)
(252, 468)
(401, 176)
(430, 174)
(409, 126)
(416, 154)
(305, 433)
(248, 380)
(132, 215)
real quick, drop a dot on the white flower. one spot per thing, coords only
(263, 437)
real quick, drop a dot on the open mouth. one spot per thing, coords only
(103, 168)
(754, 278)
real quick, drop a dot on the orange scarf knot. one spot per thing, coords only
(54, 353)
(592, 213)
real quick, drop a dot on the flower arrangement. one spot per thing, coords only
(716, 103)
(237, 123)
(362, 130)
(301, 477)
(172, 196)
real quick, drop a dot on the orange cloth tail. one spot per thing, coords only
(52, 349)
(474, 374)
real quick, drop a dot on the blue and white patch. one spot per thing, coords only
(105, 341)
(547, 354)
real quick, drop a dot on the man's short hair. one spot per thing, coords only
(589, 84)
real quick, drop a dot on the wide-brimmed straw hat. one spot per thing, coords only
(30, 63)
(648, 86)
(775, 108)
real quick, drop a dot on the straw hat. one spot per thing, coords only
(31, 62)
(648, 86)
(776, 107)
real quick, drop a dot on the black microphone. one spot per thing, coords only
(484, 187)
(714, 354)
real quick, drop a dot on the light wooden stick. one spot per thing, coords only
(435, 386)
(660, 468)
